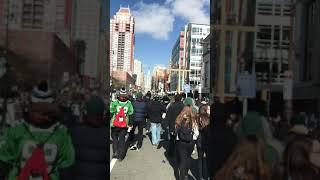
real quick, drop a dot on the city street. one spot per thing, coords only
(148, 163)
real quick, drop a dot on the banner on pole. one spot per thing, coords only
(186, 88)
(246, 85)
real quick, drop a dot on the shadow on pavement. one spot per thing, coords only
(172, 160)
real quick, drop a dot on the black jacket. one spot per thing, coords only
(222, 139)
(140, 110)
(172, 114)
(155, 110)
(91, 152)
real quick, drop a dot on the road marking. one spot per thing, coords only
(113, 162)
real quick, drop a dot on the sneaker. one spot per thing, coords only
(134, 147)
(114, 156)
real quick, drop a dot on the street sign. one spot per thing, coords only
(186, 88)
(246, 84)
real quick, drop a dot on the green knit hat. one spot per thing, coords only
(188, 101)
(95, 105)
(252, 124)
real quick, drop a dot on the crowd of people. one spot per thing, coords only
(60, 133)
(183, 123)
(53, 133)
(229, 145)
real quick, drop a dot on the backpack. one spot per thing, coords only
(36, 165)
(120, 119)
(185, 133)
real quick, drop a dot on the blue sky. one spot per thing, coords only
(158, 23)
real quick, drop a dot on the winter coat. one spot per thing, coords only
(222, 139)
(91, 156)
(155, 110)
(172, 114)
(140, 110)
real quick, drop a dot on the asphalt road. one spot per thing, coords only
(149, 163)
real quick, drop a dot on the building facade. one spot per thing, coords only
(122, 41)
(271, 43)
(177, 63)
(89, 27)
(206, 71)
(306, 96)
(148, 81)
(138, 71)
(159, 80)
(50, 16)
(195, 33)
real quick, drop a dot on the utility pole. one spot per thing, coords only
(223, 27)
(288, 102)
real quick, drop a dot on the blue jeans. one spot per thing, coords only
(155, 132)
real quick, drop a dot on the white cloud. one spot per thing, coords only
(157, 19)
(153, 19)
(193, 11)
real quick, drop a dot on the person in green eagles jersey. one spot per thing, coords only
(18, 143)
(118, 133)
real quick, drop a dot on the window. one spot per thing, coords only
(264, 32)
(265, 8)
(276, 35)
(286, 33)
(277, 9)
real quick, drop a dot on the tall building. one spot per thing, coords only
(89, 26)
(122, 41)
(194, 34)
(178, 63)
(306, 96)
(147, 81)
(39, 15)
(138, 71)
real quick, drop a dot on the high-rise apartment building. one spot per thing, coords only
(50, 16)
(138, 71)
(194, 34)
(122, 41)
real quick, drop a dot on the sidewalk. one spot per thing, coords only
(148, 163)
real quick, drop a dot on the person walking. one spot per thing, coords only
(202, 141)
(120, 109)
(221, 136)
(91, 155)
(140, 114)
(148, 124)
(155, 110)
(186, 128)
(172, 114)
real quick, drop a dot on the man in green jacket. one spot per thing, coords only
(120, 110)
